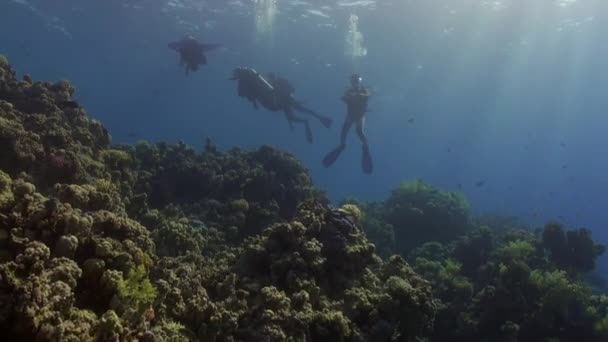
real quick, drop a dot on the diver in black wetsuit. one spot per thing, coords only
(356, 98)
(274, 94)
(191, 52)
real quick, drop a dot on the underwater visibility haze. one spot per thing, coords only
(174, 170)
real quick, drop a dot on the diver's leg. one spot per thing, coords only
(292, 118)
(366, 159)
(361, 131)
(348, 123)
(323, 119)
(333, 155)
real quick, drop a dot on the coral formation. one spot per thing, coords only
(413, 214)
(3, 61)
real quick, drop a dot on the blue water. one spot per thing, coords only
(507, 92)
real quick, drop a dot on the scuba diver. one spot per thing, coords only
(276, 95)
(191, 52)
(356, 98)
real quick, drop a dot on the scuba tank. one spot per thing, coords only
(261, 80)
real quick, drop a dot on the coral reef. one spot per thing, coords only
(159, 242)
(314, 278)
(238, 192)
(504, 286)
(492, 278)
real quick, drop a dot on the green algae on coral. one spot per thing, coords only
(136, 290)
(116, 159)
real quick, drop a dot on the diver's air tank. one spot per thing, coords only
(262, 80)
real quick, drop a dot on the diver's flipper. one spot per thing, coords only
(209, 47)
(332, 156)
(308, 133)
(325, 121)
(366, 160)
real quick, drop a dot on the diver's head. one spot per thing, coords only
(355, 80)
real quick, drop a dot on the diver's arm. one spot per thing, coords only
(364, 93)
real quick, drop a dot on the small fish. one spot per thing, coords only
(68, 104)
(480, 183)
(411, 120)
(449, 149)
(565, 166)
(562, 144)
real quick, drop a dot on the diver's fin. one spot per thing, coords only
(366, 160)
(308, 133)
(209, 47)
(332, 156)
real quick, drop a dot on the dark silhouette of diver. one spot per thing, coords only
(276, 95)
(356, 98)
(191, 52)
